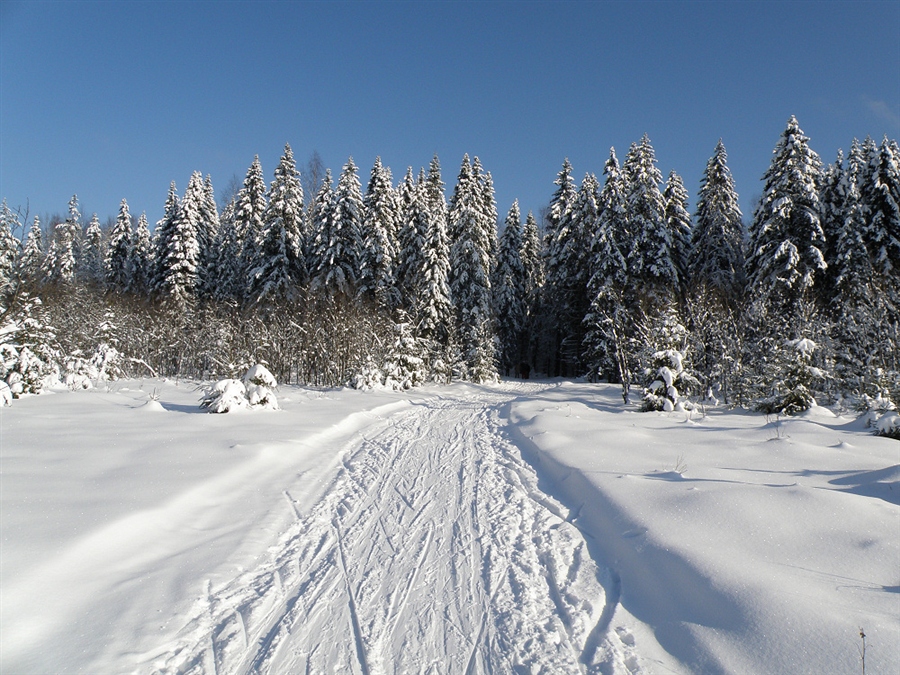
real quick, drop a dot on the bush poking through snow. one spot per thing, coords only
(254, 390)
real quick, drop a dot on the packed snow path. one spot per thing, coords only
(433, 550)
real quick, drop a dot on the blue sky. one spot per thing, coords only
(116, 99)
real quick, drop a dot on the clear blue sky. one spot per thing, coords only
(116, 99)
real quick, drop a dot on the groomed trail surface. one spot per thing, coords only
(432, 551)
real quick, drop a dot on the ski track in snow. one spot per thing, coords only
(433, 551)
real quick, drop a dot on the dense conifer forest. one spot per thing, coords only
(394, 285)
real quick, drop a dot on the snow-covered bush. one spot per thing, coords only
(28, 357)
(225, 396)
(671, 383)
(259, 383)
(82, 372)
(888, 425)
(254, 390)
(792, 390)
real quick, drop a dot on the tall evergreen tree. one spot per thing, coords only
(140, 259)
(882, 202)
(281, 267)
(339, 249)
(379, 228)
(470, 284)
(532, 264)
(181, 257)
(509, 292)
(161, 236)
(9, 251)
(606, 321)
(207, 237)
(60, 263)
(118, 259)
(32, 255)
(651, 259)
(249, 220)
(412, 231)
(717, 238)
(91, 267)
(557, 265)
(229, 279)
(679, 223)
(786, 237)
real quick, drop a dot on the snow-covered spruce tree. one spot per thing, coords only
(28, 352)
(160, 242)
(786, 239)
(321, 232)
(679, 223)
(32, 256)
(470, 284)
(509, 293)
(533, 271)
(339, 249)
(881, 196)
(140, 260)
(792, 391)
(180, 265)
(207, 236)
(229, 279)
(433, 311)
(716, 276)
(831, 204)
(607, 326)
(249, 221)
(717, 259)
(651, 260)
(557, 266)
(575, 296)
(532, 262)
(9, 252)
(281, 267)
(853, 298)
(881, 199)
(413, 226)
(669, 381)
(60, 262)
(379, 227)
(121, 239)
(91, 266)
(405, 365)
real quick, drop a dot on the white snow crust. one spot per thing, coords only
(519, 527)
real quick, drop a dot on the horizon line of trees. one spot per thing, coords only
(396, 285)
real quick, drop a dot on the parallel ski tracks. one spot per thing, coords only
(433, 550)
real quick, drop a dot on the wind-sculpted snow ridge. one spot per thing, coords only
(432, 551)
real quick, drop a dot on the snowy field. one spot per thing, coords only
(523, 527)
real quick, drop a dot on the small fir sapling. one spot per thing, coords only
(666, 391)
(792, 389)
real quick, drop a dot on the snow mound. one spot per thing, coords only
(152, 406)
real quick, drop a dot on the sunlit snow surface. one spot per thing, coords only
(523, 527)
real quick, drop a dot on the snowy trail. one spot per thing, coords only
(432, 551)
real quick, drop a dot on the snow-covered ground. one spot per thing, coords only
(522, 527)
